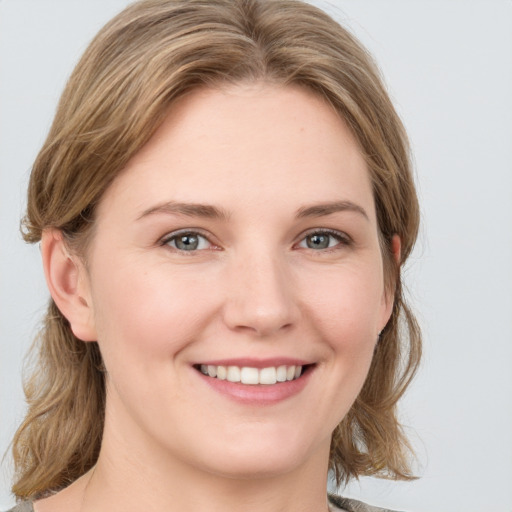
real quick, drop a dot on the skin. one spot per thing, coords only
(254, 288)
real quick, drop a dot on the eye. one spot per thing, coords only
(319, 240)
(187, 241)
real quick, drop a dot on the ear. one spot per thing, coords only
(68, 283)
(389, 295)
(396, 249)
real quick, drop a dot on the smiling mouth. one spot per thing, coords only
(253, 376)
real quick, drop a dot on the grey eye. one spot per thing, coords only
(188, 242)
(318, 241)
(323, 240)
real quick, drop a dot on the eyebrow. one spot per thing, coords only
(213, 212)
(188, 209)
(320, 210)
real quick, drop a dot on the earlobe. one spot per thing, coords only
(68, 284)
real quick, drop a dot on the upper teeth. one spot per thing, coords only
(248, 375)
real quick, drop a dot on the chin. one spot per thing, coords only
(259, 460)
(255, 468)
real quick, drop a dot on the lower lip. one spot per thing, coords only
(260, 394)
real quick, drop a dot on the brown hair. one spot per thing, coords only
(143, 60)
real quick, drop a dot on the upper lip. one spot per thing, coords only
(256, 362)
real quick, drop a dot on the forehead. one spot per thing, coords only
(255, 143)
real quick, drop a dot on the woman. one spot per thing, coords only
(224, 203)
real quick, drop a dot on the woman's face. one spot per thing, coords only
(242, 242)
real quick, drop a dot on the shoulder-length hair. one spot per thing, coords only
(142, 61)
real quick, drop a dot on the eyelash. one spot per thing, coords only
(343, 240)
(168, 239)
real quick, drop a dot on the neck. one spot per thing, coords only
(133, 474)
(176, 487)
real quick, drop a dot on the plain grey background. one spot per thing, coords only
(448, 64)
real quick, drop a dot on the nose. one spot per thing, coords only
(261, 299)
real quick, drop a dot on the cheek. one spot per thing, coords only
(152, 315)
(347, 304)
(344, 310)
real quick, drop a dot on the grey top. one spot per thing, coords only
(22, 506)
(336, 504)
(340, 504)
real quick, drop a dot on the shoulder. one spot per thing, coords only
(22, 506)
(338, 504)
(349, 505)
